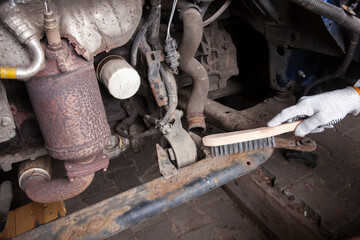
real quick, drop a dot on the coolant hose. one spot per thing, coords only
(193, 33)
(331, 12)
(26, 36)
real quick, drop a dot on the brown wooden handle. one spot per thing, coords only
(248, 135)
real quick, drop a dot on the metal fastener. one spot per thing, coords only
(301, 74)
(5, 121)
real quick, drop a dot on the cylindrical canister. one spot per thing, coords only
(118, 76)
(70, 112)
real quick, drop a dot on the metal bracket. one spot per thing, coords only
(158, 89)
(179, 140)
(32, 153)
(7, 124)
(167, 169)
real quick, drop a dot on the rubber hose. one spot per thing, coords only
(135, 47)
(342, 69)
(192, 36)
(331, 12)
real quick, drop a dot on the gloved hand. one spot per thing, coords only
(320, 111)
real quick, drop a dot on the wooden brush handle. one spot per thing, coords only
(248, 135)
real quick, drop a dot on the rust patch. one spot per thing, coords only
(95, 224)
(78, 169)
(161, 187)
(68, 106)
(196, 120)
(156, 84)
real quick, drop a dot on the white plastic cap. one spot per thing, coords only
(120, 78)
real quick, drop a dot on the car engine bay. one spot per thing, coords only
(84, 81)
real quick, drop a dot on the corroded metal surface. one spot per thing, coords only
(7, 160)
(296, 143)
(167, 169)
(115, 214)
(92, 26)
(219, 57)
(69, 109)
(157, 85)
(7, 124)
(196, 120)
(34, 179)
(40, 190)
(75, 169)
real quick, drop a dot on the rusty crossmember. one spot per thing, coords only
(120, 212)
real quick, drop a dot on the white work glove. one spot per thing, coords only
(321, 111)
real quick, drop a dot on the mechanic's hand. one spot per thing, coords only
(321, 111)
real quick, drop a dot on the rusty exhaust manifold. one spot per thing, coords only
(68, 106)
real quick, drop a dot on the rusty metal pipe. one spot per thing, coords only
(120, 212)
(193, 32)
(35, 180)
(67, 103)
(43, 191)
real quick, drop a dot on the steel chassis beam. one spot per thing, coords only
(120, 212)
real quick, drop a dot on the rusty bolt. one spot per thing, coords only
(5, 121)
(306, 141)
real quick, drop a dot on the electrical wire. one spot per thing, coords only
(170, 19)
(217, 14)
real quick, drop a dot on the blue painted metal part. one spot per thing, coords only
(303, 60)
(333, 27)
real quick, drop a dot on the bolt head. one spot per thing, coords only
(5, 121)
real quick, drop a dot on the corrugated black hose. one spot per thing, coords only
(155, 8)
(342, 69)
(331, 12)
